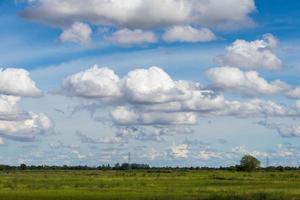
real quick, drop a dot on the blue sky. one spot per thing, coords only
(226, 82)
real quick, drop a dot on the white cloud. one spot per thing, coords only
(17, 82)
(282, 129)
(180, 151)
(196, 100)
(129, 37)
(151, 133)
(141, 14)
(151, 85)
(147, 103)
(255, 107)
(294, 93)
(149, 97)
(204, 101)
(248, 83)
(188, 34)
(135, 18)
(26, 129)
(8, 107)
(289, 131)
(252, 55)
(92, 83)
(207, 155)
(140, 87)
(125, 116)
(78, 32)
(15, 123)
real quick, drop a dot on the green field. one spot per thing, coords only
(207, 185)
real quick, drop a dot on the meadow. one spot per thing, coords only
(148, 185)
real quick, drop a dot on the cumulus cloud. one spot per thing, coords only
(92, 83)
(124, 116)
(78, 33)
(154, 91)
(282, 129)
(127, 37)
(146, 98)
(199, 101)
(17, 82)
(151, 85)
(289, 131)
(294, 93)
(248, 83)
(204, 101)
(188, 34)
(141, 14)
(207, 154)
(26, 129)
(258, 54)
(134, 18)
(9, 109)
(15, 123)
(139, 87)
(256, 107)
(180, 151)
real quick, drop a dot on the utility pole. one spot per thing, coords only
(267, 162)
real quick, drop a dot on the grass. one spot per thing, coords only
(177, 185)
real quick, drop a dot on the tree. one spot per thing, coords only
(23, 166)
(249, 163)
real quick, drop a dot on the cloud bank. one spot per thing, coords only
(136, 20)
(150, 97)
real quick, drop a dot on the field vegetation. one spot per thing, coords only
(178, 184)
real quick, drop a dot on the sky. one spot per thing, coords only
(173, 82)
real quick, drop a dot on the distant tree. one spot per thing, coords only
(23, 166)
(117, 166)
(3, 167)
(249, 163)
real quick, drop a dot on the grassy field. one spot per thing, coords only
(179, 185)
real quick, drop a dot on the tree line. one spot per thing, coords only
(247, 163)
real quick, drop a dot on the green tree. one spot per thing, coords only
(249, 163)
(23, 166)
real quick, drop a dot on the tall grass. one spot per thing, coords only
(148, 185)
